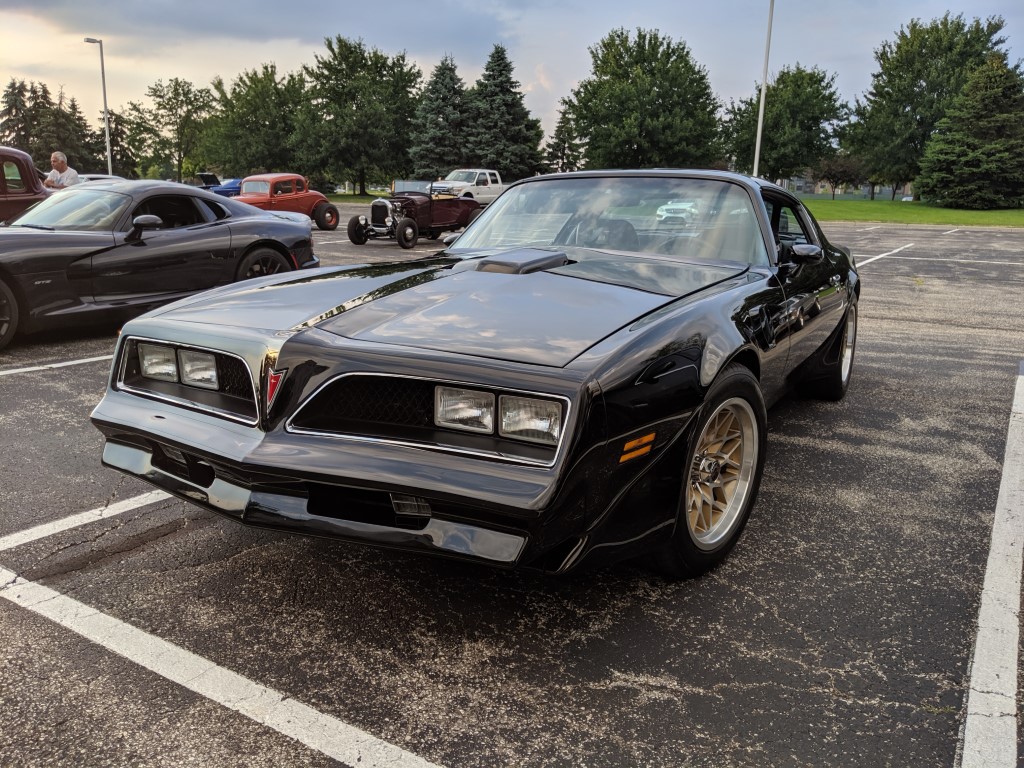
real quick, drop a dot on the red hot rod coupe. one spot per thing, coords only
(288, 192)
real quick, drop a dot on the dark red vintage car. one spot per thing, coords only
(20, 183)
(288, 192)
(406, 215)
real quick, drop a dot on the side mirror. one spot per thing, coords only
(806, 253)
(449, 239)
(140, 223)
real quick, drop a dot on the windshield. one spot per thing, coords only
(469, 176)
(84, 210)
(707, 219)
(255, 187)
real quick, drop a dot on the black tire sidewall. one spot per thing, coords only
(356, 234)
(7, 294)
(320, 215)
(400, 228)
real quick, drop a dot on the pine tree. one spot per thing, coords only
(976, 157)
(15, 128)
(564, 151)
(439, 123)
(500, 133)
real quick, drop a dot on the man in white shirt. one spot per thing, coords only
(62, 174)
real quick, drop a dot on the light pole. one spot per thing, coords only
(106, 114)
(764, 84)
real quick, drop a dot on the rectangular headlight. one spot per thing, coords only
(158, 362)
(198, 369)
(526, 418)
(465, 409)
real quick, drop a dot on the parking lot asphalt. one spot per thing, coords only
(840, 631)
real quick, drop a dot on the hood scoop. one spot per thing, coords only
(519, 262)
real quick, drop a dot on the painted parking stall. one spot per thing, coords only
(843, 631)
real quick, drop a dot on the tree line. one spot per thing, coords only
(944, 112)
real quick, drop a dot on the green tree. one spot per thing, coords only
(839, 169)
(564, 151)
(919, 74)
(176, 119)
(358, 114)
(252, 122)
(647, 103)
(975, 159)
(500, 133)
(438, 145)
(802, 111)
(15, 125)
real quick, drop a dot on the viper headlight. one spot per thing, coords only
(198, 369)
(158, 362)
(530, 419)
(466, 409)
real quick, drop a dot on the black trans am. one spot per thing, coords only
(109, 250)
(572, 381)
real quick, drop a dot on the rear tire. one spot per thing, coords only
(326, 216)
(261, 262)
(721, 475)
(356, 233)
(406, 233)
(836, 379)
(8, 314)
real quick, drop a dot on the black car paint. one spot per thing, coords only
(646, 368)
(61, 277)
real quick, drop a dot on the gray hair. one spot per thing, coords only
(60, 156)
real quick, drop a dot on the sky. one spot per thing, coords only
(548, 41)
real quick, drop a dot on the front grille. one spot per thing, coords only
(361, 404)
(379, 211)
(401, 409)
(235, 397)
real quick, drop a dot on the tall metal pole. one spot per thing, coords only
(764, 85)
(106, 112)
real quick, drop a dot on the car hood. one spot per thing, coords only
(547, 316)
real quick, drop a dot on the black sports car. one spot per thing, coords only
(571, 381)
(109, 250)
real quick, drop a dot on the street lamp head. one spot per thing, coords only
(92, 40)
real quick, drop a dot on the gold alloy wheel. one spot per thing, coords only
(721, 473)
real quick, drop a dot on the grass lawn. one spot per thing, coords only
(895, 212)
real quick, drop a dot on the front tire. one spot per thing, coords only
(326, 217)
(356, 233)
(8, 314)
(722, 475)
(406, 232)
(261, 262)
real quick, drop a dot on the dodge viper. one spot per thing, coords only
(112, 249)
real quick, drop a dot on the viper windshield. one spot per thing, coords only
(80, 210)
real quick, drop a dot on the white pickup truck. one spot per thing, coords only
(482, 184)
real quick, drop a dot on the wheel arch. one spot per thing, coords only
(273, 245)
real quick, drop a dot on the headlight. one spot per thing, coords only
(156, 362)
(198, 369)
(465, 409)
(526, 418)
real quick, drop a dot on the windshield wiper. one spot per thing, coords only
(34, 226)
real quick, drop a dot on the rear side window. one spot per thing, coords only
(216, 210)
(12, 175)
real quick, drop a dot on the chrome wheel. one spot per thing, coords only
(722, 473)
(848, 344)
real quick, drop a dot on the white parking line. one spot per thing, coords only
(883, 255)
(82, 518)
(966, 262)
(951, 232)
(274, 709)
(867, 229)
(990, 729)
(56, 365)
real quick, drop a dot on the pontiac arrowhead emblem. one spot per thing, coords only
(273, 385)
